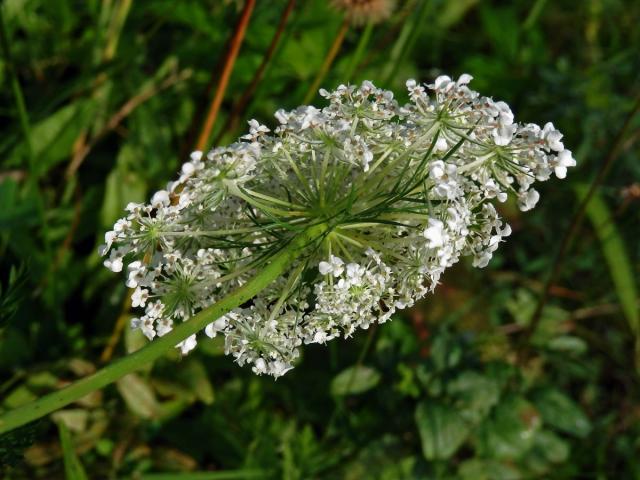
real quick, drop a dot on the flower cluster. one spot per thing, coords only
(402, 193)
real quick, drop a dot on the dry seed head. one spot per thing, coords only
(361, 12)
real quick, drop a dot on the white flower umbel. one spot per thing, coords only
(403, 192)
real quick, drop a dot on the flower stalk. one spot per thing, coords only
(134, 361)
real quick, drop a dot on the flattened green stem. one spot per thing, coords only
(155, 349)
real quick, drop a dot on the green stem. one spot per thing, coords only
(406, 41)
(328, 61)
(356, 58)
(17, 92)
(56, 400)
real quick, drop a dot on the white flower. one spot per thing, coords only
(503, 134)
(137, 272)
(213, 328)
(109, 237)
(139, 297)
(334, 266)
(259, 366)
(312, 117)
(187, 344)
(560, 163)
(401, 192)
(145, 324)
(441, 145)
(527, 200)
(255, 131)
(553, 137)
(160, 199)
(164, 326)
(114, 262)
(278, 368)
(436, 169)
(434, 233)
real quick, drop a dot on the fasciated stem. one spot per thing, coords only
(155, 349)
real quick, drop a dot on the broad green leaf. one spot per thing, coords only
(568, 344)
(559, 411)
(478, 469)
(442, 430)
(54, 136)
(552, 447)
(134, 339)
(510, 430)
(139, 396)
(195, 375)
(354, 380)
(478, 393)
(17, 210)
(616, 256)
(19, 396)
(75, 419)
(72, 467)
(122, 187)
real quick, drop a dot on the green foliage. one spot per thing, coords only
(353, 380)
(101, 102)
(73, 469)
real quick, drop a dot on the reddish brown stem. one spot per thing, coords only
(241, 105)
(234, 48)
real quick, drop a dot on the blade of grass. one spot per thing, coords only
(73, 469)
(616, 256)
(328, 61)
(406, 41)
(17, 92)
(534, 14)
(356, 58)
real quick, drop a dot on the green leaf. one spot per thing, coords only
(478, 469)
(559, 411)
(18, 211)
(478, 393)
(354, 380)
(442, 430)
(139, 396)
(568, 344)
(72, 467)
(616, 256)
(195, 375)
(122, 187)
(54, 136)
(510, 430)
(552, 447)
(220, 475)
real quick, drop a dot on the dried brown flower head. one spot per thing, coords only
(360, 12)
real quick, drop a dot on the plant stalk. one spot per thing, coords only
(328, 61)
(234, 48)
(241, 105)
(155, 349)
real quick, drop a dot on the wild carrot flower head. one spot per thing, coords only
(403, 192)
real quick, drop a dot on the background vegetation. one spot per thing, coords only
(102, 100)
